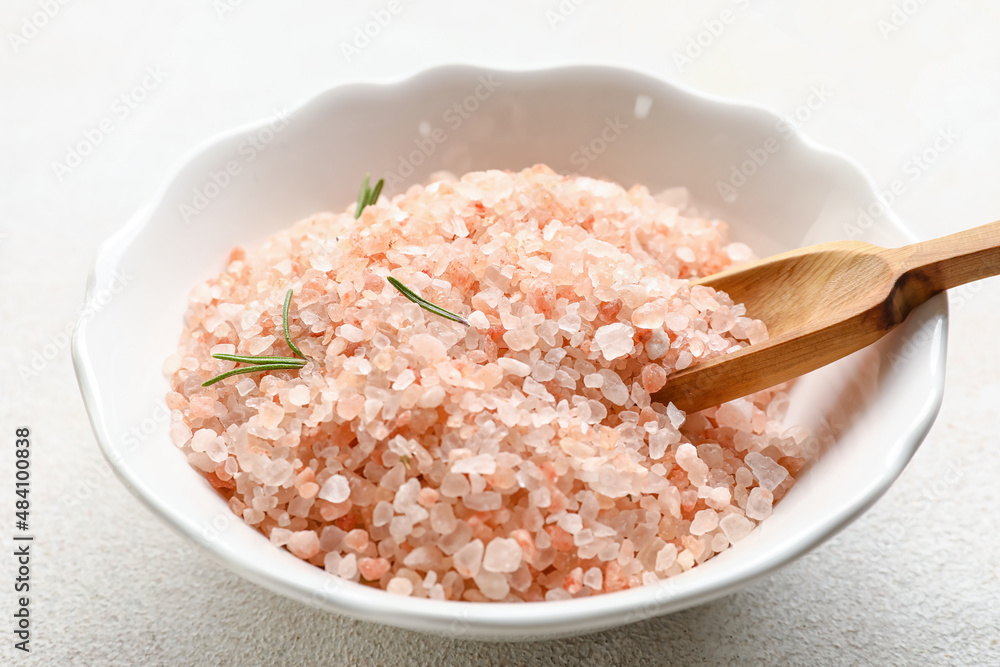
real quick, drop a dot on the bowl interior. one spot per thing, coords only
(782, 193)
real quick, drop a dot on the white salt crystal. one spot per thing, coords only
(766, 470)
(570, 522)
(469, 558)
(336, 489)
(759, 503)
(478, 319)
(432, 397)
(217, 451)
(650, 315)
(270, 414)
(735, 527)
(454, 485)
(593, 381)
(484, 501)
(613, 388)
(299, 395)
(570, 323)
(202, 438)
(521, 338)
(513, 367)
(704, 521)
(357, 366)
(666, 557)
(399, 586)
(428, 347)
(614, 340)
(687, 459)
(382, 514)
(276, 473)
(279, 536)
(443, 519)
(484, 464)
(351, 333)
(245, 385)
(493, 585)
(404, 380)
(594, 578)
(258, 344)
(502, 555)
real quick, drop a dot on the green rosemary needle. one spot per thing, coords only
(263, 362)
(425, 304)
(284, 325)
(368, 196)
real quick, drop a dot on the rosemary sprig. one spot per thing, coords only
(368, 196)
(425, 304)
(263, 362)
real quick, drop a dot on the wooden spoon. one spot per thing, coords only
(825, 301)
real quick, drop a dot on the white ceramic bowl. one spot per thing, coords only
(630, 127)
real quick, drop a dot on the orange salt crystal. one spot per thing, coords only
(357, 539)
(561, 540)
(653, 377)
(372, 569)
(527, 544)
(573, 581)
(614, 578)
(427, 496)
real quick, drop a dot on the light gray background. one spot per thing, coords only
(914, 581)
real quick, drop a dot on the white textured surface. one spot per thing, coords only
(914, 581)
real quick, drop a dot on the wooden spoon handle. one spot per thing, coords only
(952, 260)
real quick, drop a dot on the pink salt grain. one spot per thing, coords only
(304, 543)
(502, 555)
(521, 458)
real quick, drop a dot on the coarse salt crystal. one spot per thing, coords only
(735, 527)
(704, 521)
(484, 464)
(759, 503)
(614, 340)
(502, 555)
(767, 472)
(336, 489)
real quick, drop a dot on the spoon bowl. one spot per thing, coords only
(824, 302)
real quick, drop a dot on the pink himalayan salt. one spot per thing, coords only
(336, 489)
(304, 543)
(735, 527)
(502, 555)
(454, 444)
(372, 569)
(704, 521)
(759, 504)
(614, 340)
(469, 558)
